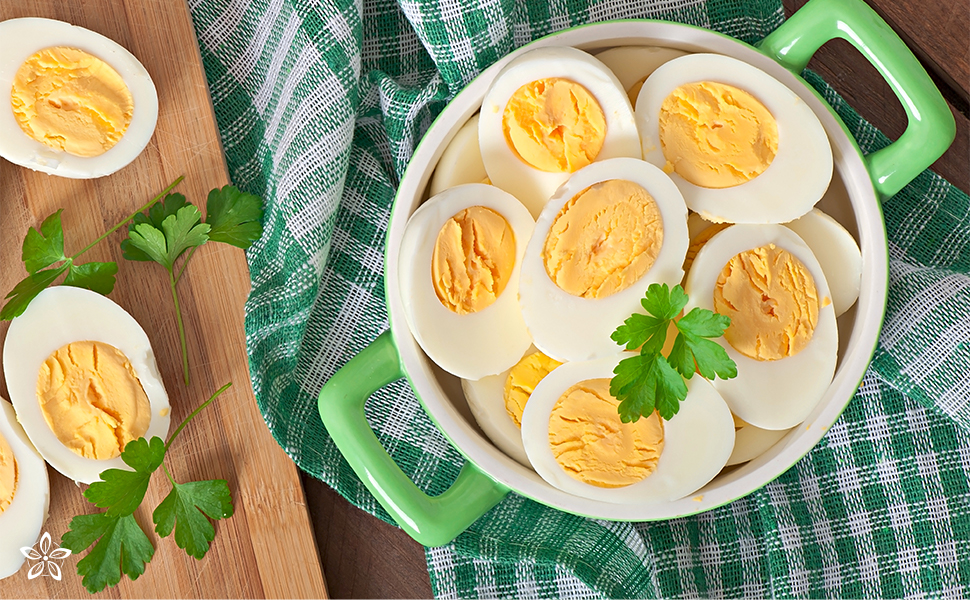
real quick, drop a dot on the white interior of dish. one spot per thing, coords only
(850, 200)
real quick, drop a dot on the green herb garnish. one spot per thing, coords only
(173, 227)
(649, 381)
(119, 543)
(45, 261)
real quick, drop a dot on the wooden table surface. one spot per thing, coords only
(364, 557)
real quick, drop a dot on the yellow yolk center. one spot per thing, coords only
(8, 474)
(715, 135)
(604, 239)
(72, 101)
(772, 301)
(555, 125)
(522, 381)
(92, 399)
(473, 259)
(591, 443)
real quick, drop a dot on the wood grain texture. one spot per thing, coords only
(267, 548)
(363, 556)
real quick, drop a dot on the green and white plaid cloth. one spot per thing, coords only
(321, 103)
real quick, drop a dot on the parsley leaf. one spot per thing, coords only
(43, 249)
(173, 227)
(186, 508)
(649, 381)
(234, 217)
(120, 490)
(123, 547)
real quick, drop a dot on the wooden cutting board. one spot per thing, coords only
(267, 548)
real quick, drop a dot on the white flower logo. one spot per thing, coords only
(45, 558)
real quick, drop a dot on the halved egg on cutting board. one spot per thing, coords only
(575, 440)
(550, 112)
(783, 334)
(82, 377)
(24, 492)
(459, 266)
(611, 230)
(80, 105)
(740, 145)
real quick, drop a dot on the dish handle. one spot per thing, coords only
(431, 520)
(931, 126)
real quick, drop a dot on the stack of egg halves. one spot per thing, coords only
(552, 212)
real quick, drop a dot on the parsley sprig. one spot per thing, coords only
(173, 227)
(119, 543)
(45, 261)
(649, 381)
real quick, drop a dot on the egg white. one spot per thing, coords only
(486, 399)
(775, 394)
(794, 181)
(461, 162)
(530, 185)
(59, 316)
(571, 328)
(21, 38)
(837, 252)
(750, 442)
(21, 522)
(474, 345)
(630, 64)
(697, 441)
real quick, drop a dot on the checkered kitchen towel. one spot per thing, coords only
(321, 103)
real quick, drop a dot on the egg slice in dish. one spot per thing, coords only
(82, 105)
(740, 145)
(497, 401)
(633, 64)
(836, 250)
(610, 231)
(550, 112)
(576, 441)
(24, 492)
(750, 442)
(82, 376)
(461, 161)
(459, 266)
(783, 334)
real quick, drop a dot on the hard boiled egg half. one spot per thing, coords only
(550, 112)
(611, 230)
(575, 439)
(740, 145)
(24, 492)
(783, 334)
(459, 265)
(79, 105)
(82, 377)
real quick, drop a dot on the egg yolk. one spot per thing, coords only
(592, 444)
(522, 381)
(604, 239)
(772, 301)
(92, 399)
(72, 101)
(554, 125)
(715, 135)
(8, 474)
(472, 261)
